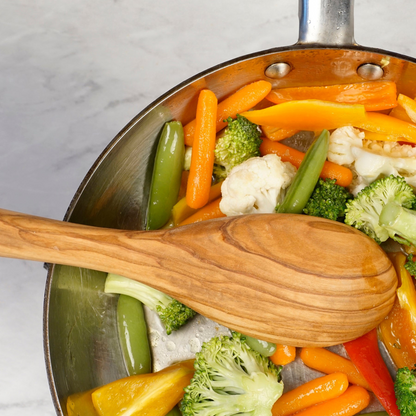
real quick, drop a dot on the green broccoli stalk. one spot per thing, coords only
(363, 212)
(172, 313)
(230, 378)
(239, 141)
(410, 265)
(405, 390)
(328, 200)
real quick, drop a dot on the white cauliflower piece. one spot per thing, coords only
(370, 160)
(256, 186)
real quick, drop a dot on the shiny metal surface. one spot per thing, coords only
(370, 72)
(80, 333)
(277, 70)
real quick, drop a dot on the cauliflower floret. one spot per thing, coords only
(256, 185)
(370, 160)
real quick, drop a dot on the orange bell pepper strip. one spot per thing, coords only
(181, 210)
(350, 403)
(276, 133)
(311, 393)
(365, 354)
(408, 105)
(374, 95)
(398, 330)
(208, 212)
(325, 361)
(202, 162)
(242, 100)
(400, 113)
(283, 355)
(309, 115)
(330, 170)
(387, 125)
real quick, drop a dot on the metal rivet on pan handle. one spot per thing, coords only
(370, 72)
(278, 70)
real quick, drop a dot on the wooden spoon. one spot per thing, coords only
(290, 279)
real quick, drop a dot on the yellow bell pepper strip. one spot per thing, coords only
(202, 161)
(276, 133)
(145, 394)
(384, 124)
(374, 95)
(331, 170)
(181, 210)
(366, 356)
(398, 329)
(400, 113)
(408, 105)
(312, 115)
(242, 100)
(81, 404)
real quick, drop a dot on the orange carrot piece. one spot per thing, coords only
(350, 403)
(328, 362)
(208, 212)
(181, 211)
(242, 100)
(330, 170)
(276, 133)
(311, 393)
(384, 124)
(309, 115)
(283, 355)
(374, 95)
(202, 162)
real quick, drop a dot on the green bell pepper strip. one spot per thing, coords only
(306, 177)
(166, 178)
(133, 336)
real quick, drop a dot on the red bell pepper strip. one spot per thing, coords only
(365, 354)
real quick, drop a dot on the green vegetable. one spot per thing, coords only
(262, 347)
(239, 142)
(232, 377)
(328, 200)
(364, 211)
(172, 313)
(405, 390)
(410, 265)
(175, 412)
(132, 330)
(306, 177)
(166, 178)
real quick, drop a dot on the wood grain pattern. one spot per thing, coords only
(290, 279)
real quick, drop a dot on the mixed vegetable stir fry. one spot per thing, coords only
(342, 152)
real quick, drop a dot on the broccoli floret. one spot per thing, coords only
(239, 142)
(405, 390)
(231, 379)
(328, 200)
(410, 265)
(172, 313)
(363, 212)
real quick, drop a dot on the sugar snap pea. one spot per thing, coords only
(175, 412)
(262, 347)
(306, 177)
(133, 335)
(166, 178)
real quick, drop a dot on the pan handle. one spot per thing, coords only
(326, 22)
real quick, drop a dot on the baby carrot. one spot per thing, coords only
(202, 162)
(208, 212)
(374, 95)
(330, 170)
(328, 362)
(311, 393)
(242, 100)
(350, 403)
(283, 355)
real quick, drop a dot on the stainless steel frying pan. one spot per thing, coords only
(80, 333)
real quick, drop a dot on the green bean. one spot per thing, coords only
(262, 347)
(133, 336)
(174, 412)
(166, 178)
(306, 177)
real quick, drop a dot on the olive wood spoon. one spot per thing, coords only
(290, 279)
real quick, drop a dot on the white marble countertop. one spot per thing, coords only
(72, 74)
